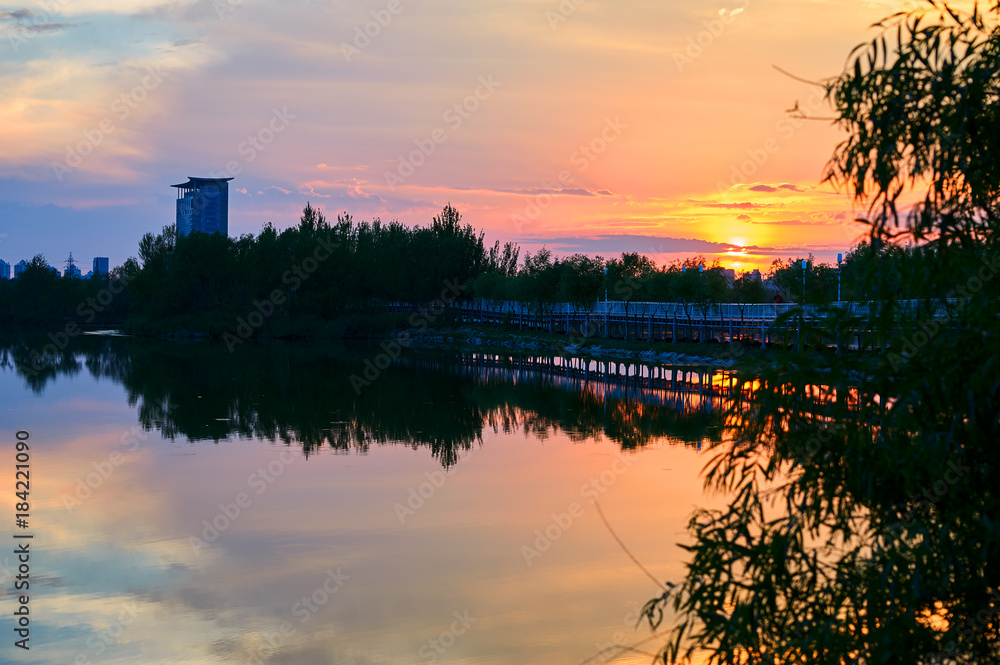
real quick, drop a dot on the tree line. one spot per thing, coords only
(335, 278)
(40, 296)
(313, 277)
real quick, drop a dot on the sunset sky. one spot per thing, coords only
(654, 126)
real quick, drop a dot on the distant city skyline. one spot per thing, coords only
(100, 264)
(657, 127)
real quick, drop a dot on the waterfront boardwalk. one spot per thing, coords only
(681, 322)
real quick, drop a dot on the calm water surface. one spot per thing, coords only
(195, 506)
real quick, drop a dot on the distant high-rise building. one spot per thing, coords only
(100, 266)
(203, 205)
(20, 267)
(4, 269)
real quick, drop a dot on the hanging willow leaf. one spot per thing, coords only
(882, 543)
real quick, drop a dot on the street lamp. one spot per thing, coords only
(605, 285)
(698, 292)
(840, 261)
(804, 265)
(802, 313)
(704, 308)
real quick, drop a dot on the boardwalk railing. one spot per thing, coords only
(656, 321)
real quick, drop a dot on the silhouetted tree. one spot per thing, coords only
(861, 524)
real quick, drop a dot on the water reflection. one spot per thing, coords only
(304, 393)
(269, 547)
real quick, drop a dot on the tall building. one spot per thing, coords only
(203, 205)
(20, 267)
(100, 266)
(4, 269)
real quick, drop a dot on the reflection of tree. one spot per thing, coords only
(37, 361)
(302, 393)
(295, 393)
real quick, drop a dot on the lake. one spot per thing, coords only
(281, 505)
